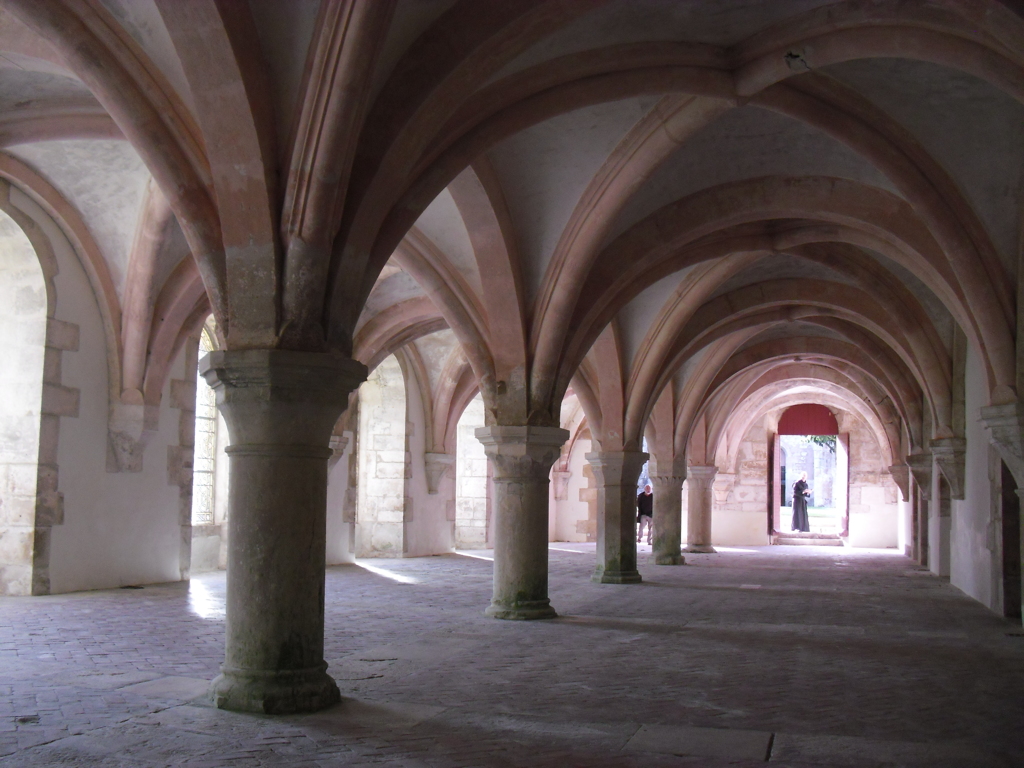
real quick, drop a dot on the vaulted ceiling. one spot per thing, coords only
(703, 204)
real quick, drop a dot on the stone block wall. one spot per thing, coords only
(740, 508)
(380, 519)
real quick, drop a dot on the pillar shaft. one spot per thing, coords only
(668, 519)
(616, 473)
(521, 458)
(698, 513)
(280, 408)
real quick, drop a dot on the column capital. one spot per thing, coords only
(921, 467)
(701, 474)
(435, 465)
(522, 451)
(950, 455)
(305, 388)
(616, 467)
(1006, 426)
(901, 475)
(667, 482)
(278, 373)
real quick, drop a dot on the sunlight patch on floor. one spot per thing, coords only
(378, 571)
(202, 602)
(466, 553)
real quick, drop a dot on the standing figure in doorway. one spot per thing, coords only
(800, 493)
(645, 513)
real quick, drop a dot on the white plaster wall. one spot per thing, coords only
(903, 511)
(427, 529)
(470, 480)
(874, 496)
(873, 522)
(119, 528)
(971, 541)
(570, 516)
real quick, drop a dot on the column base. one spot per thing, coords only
(700, 549)
(616, 577)
(527, 611)
(275, 692)
(670, 560)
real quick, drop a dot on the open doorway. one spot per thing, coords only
(809, 450)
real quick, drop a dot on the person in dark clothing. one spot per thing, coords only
(800, 493)
(645, 513)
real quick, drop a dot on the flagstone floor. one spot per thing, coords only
(790, 656)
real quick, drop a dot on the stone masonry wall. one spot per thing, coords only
(382, 463)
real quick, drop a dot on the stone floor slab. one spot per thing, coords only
(179, 689)
(853, 752)
(689, 741)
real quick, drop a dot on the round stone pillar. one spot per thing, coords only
(280, 407)
(698, 514)
(668, 519)
(521, 458)
(616, 473)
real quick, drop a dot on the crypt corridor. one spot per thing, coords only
(339, 328)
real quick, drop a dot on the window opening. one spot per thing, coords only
(204, 459)
(471, 518)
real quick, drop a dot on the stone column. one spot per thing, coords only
(668, 519)
(616, 473)
(921, 468)
(280, 408)
(521, 458)
(698, 517)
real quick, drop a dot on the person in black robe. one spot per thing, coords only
(800, 493)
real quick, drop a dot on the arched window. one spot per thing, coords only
(205, 457)
(209, 474)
